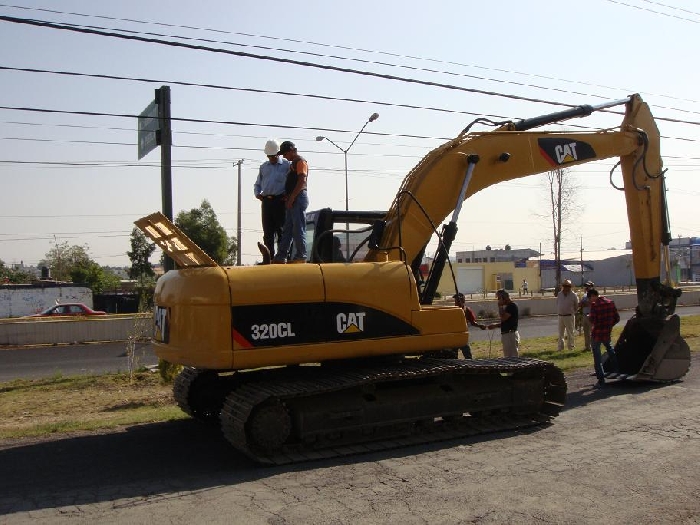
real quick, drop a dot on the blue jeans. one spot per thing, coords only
(294, 229)
(598, 360)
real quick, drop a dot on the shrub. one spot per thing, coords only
(168, 371)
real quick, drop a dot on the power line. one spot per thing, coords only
(349, 48)
(670, 15)
(313, 96)
(248, 90)
(205, 121)
(243, 54)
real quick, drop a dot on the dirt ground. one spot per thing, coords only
(624, 454)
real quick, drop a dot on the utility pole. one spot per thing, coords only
(238, 229)
(582, 281)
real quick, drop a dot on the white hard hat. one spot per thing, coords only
(271, 147)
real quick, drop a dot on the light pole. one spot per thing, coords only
(238, 229)
(372, 118)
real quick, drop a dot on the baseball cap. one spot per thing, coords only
(589, 284)
(458, 295)
(566, 283)
(286, 146)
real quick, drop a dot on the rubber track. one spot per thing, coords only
(181, 388)
(241, 402)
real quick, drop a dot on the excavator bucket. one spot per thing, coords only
(652, 350)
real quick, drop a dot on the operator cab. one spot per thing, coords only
(342, 236)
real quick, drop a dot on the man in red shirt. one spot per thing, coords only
(471, 320)
(603, 317)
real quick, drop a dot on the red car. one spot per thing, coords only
(69, 309)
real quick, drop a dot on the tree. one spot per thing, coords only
(73, 263)
(13, 275)
(232, 252)
(62, 259)
(141, 251)
(202, 226)
(562, 189)
(97, 278)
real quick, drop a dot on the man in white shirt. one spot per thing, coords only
(567, 304)
(269, 190)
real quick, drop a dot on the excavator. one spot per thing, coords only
(330, 358)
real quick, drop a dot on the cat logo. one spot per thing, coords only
(564, 151)
(350, 323)
(162, 325)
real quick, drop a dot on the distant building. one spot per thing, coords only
(685, 258)
(604, 268)
(519, 257)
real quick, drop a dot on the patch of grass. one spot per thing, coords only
(34, 408)
(66, 404)
(545, 348)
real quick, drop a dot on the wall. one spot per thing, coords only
(446, 288)
(17, 300)
(48, 330)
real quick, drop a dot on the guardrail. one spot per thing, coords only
(537, 305)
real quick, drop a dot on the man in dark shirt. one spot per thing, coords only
(508, 314)
(296, 202)
(603, 317)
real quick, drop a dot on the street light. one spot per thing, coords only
(238, 229)
(372, 118)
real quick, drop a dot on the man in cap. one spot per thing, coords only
(508, 315)
(460, 301)
(567, 303)
(269, 190)
(585, 307)
(296, 202)
(604, 316)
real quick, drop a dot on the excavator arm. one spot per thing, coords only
(436, 186)
(474, 161)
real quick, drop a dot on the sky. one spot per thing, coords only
(68, 155)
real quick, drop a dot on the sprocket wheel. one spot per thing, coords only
(269, 427)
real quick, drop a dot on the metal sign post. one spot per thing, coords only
(154, 130)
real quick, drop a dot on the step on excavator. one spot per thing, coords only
(305, 361)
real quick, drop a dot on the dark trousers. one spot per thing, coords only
(273, 213)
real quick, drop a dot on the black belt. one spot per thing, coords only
(273, 196)
(564, 315)
(509, 331)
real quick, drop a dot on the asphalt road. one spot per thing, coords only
(98, 358)
(627, 453)
(70, 360)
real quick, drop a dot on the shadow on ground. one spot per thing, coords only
(149, 461)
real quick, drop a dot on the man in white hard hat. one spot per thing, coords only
(269, 189)
(567, 304)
